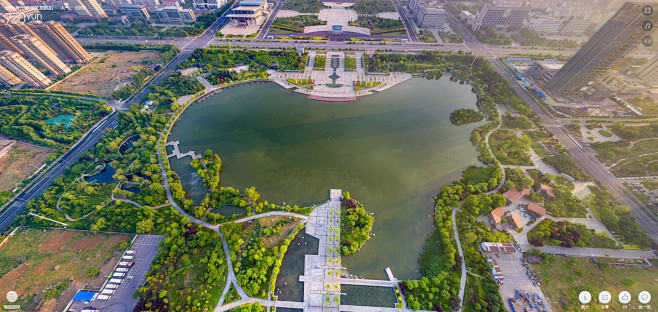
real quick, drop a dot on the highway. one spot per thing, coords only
(407, 24)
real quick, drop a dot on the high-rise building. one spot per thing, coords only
(88, 8)
(6, 7)
(23, 69)
(11, 30)
(617, 39)
(9, 79)
(61, 41)
(37, 50)
(649, 73)
(6, 44)
(507, 18)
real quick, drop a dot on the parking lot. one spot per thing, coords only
(145, 248)
(515, 276)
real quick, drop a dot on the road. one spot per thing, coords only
(594, 252)
(270, 20)
(405, 20)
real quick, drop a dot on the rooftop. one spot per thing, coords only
(539, 210)
(497, 214)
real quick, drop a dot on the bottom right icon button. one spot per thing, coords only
(644, 297)
(624, 297)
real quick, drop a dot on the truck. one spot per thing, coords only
(107, 291)
(111, 286)
(128, 257)
(119, 274)
(130, 252)
(125, 263)
(124, 270)
(104, 297)
(116, 280)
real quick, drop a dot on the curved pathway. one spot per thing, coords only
(272, 213)
(462, 281)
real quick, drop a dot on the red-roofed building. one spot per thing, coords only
(546, 190)
(517, 221)
(536, 210)
(526, 192)
(513, 196)
(497, 214)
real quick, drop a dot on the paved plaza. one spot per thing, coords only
(334, 82)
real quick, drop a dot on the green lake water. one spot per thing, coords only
(392, 151)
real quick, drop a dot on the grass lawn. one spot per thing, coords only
(103, 75)
(79, 202)
(366, 84)
(509, 149)
(647, 104)
(350, 63)
(320, 62)
(564, 278)
(47, 267)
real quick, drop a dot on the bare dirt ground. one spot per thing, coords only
(18, 161)
(107, 72)
(38, 260)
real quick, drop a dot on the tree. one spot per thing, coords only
(144, 226)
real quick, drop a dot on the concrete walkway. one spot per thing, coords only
(272, 213)
(462, 281)
(177, 152)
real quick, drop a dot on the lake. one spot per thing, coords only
(392, 151)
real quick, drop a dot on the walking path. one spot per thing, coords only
(272, 213)
(177, 152)
(46, 218)
(462, 281)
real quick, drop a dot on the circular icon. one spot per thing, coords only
(12, 296)
(624, 297)
(647, 25)
(585, 297)
(644, 297)
(605, 297)
(647, 10)
(647, 41)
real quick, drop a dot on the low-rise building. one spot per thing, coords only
(514, 195)
(546, 24)
(516, 221)
(502, 18)
(574, 25)
(248, 13)
(134, 12)
(430, 17)
(542, 71)
(648, 74)
(208, 5)
(536, 210)
(175, 14)
(546, 190)
(468, 18)
(497, 247)
(497, 214)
